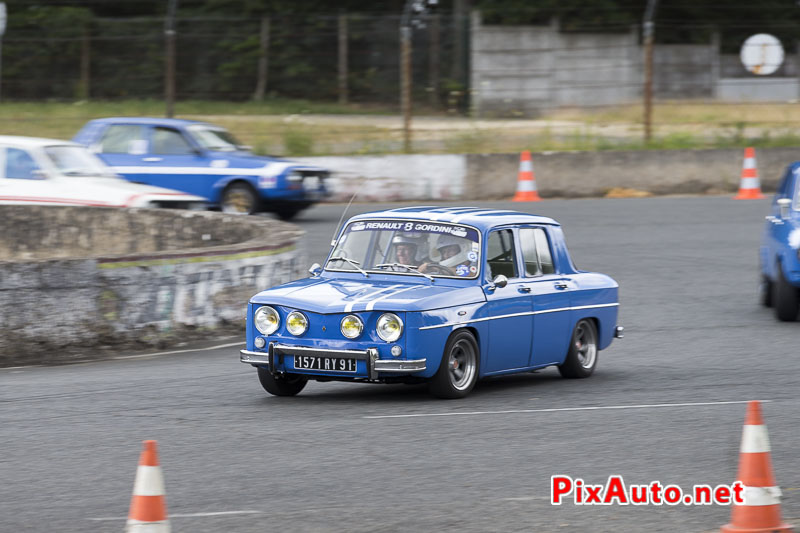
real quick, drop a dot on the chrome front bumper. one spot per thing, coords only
(370, 355)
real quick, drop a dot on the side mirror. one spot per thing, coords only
(500, 281)
(315, 270)
(784, 204)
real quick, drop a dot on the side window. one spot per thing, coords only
(500, 254)
(527, 242)
(536, 252)
(20, 165)
(170, 142)
(543, 251)
(122, 139)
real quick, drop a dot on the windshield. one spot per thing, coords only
(77, 161)
(214, 138)
(409, 247)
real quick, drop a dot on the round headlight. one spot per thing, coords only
(296, 323)
(352, 326)
(390, 327)
(266, 320)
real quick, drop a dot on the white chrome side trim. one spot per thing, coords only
(447, 324)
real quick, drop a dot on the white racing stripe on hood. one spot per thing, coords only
(371, 305)
(349, 307)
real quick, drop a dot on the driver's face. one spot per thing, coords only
(405, 253)
(449, 251)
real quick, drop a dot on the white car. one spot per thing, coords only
(52, 172)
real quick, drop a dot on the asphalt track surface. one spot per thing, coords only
(337, 458)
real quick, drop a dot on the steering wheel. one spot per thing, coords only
(438, 269)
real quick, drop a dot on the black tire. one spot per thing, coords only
(765, 291)
(239, 199)
(582, 355)
(459, 369)
(282, 385)
(288, 212)
(784, 297)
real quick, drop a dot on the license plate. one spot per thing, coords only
(311, 183)
(329, 364)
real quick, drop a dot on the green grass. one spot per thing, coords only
(301, 128)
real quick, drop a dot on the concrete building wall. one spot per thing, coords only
(684, 71)
(524, 70)
(78, 281)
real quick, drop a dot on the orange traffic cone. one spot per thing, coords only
(526, 182)
(148, 512)
(750, 186)
(761, 510)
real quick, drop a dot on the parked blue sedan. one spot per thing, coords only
(205, 160)
(780, 249)
(438, 295)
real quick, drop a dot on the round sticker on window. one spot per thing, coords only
(472, 256)
(473, 269)
(462, 270)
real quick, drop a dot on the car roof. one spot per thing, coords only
(176, 122)
(33, 142)
(482, 218)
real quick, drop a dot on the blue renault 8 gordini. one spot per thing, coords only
(438, 295)
(780, 249)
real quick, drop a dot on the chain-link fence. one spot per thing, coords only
(579, 87)
(349, 57)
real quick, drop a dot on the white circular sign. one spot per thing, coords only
(3, 16)
(762, 54)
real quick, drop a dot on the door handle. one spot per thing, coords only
(152, 159)
(561, 285)
(523, 288)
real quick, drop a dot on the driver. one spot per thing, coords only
(452, 256)
(405, 250)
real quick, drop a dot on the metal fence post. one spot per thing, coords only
(648, 68)
(433, 62)
(86, 62)
(405, 84)
(169, 73)
(342, 58)
(263, 60)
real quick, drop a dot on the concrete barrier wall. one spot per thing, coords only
(96, 299)
(394, 177)
(582, 174)
(565, 174)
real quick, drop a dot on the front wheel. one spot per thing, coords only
(281, 385)
(784, 298)
(458, 371)
(582, 356)
(289, 211)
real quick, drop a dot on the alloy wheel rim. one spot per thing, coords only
(461, 364)
(585, 346)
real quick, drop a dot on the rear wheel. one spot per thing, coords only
(765, 291)
(239, 199)
(784, 297)
(458, 371)
(582, 356)
(282, 384)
